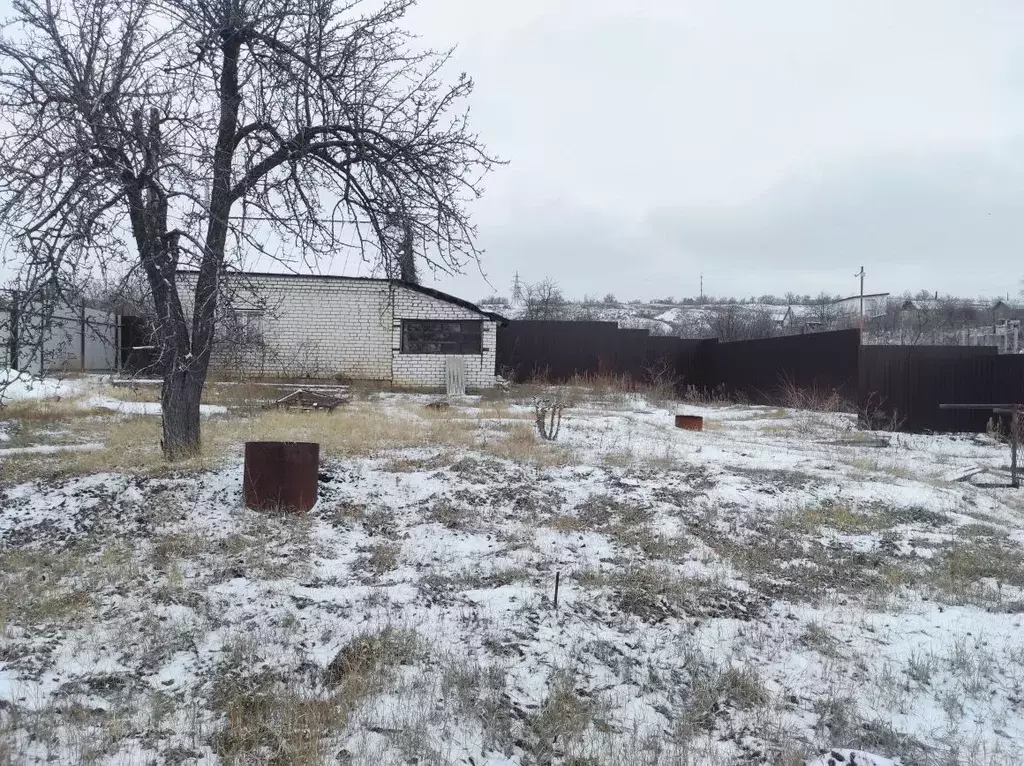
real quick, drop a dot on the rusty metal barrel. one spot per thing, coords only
(690, 422)
(281, 475)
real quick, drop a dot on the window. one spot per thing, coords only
(428, 336)
(244, 327)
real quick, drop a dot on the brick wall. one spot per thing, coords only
(429, 369)
(326, 327)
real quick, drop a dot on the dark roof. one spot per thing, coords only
(858, 296)
(395, 282)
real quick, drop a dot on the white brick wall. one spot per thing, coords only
(429, 369)
(324, 327)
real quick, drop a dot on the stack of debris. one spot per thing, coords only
(309, 400)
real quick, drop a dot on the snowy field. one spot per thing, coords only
(781, 588)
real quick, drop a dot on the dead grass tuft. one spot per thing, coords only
(43, 588)
(379, 559)
(54, 410)
(976, 569)
(519, 442)
(267, 719)
(562, 720)
(651, 593)
(361, 662)
(819, 638)
(838, 516)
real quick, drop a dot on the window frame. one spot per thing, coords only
(245, 326)
(466, 342)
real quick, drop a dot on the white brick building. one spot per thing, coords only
(285, 325)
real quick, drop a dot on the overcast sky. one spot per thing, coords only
(771, 146)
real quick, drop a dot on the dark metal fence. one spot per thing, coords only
(757, 369)
(762, 370)
(901, 385)
(561, 351)
(908, 383)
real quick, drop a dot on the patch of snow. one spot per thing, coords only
(18, 386)
(47, 449)
(843, 757)
(142, 408)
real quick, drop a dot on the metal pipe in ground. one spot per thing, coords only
(281, 476)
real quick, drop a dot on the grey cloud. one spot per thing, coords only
(948, 222)
(953, 221)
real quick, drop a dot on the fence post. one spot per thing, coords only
(81, 337)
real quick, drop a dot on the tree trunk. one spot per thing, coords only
(179, 401)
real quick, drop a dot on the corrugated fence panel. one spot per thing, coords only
(760, 369)
(910, 382)
(559, 351)
(553, 350)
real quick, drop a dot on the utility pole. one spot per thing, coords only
(861, 275)
(702, 287)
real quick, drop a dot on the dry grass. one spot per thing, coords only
(519, 442)
(363, 428)
(837, 516)
(648, 592)
(133, 444)
(563, 719)
(43, 588)
(269, 716)
(379, 559)
(47, 410)
(963, 568)
(811, 399)
(59, 588)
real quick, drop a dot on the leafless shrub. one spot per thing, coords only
(812, 399)
(548, 415)
(873, 415)
(663, 382)
(697, 395)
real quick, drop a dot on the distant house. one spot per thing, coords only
(984, 311)
(329, 327)
(802, 318)
(875, 305)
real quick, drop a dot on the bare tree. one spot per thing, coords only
(544, 301)
(824, 311)
(200, 134)
(729, 323)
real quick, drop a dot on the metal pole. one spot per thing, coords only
(1014, 430)
(861, 275)
(81, 338)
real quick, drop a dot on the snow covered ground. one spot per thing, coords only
(776, 589)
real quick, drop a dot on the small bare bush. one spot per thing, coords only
(813, 399)
(873, 415)
(548, 415)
